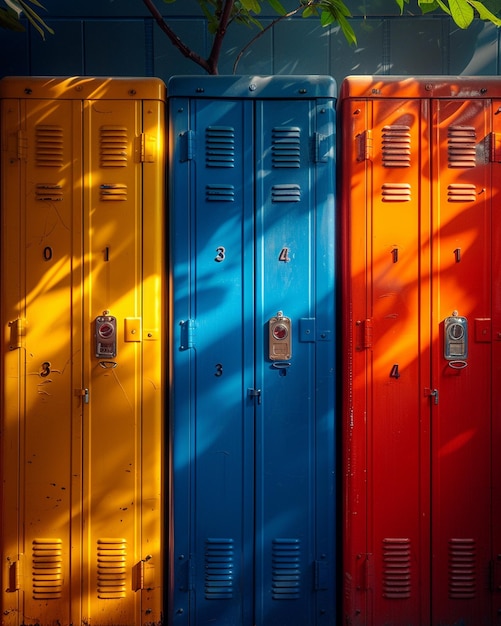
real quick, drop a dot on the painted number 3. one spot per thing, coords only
(221, 254)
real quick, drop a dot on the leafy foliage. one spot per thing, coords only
(10, 16)
(220, 14)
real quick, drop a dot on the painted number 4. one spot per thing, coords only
(284, 255)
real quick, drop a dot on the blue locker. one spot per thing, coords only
(253, 367)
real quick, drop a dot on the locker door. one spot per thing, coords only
(496, 365)
(462, 421)
(294, 422)
(117, 467)
(213, 351)
(81, 439)
(41, 303)
(386, 410)
(253, 437)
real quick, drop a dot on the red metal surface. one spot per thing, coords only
(420, 432)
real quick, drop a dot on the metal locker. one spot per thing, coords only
(252, 409)
(420, 488)
(82, 283)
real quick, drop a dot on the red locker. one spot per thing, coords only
(422, 323)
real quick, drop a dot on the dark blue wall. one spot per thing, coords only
(119, 37)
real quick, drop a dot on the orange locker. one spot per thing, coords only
(422, 314)
(82, 200)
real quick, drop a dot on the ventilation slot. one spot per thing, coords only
(285, 193)
(219, 569)
(113, 146)
(220, 143)
(396, 146)
(48, 192)
(47, 569)
(286, 147)
(396, 568)
(396, 192)
(49, 146)
(113, 192)
(459, 192)
(286, 569)
(220, 193)
(461, 146)
(462, 581)
(111, 568)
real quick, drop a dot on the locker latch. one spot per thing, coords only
(255, 393)
(84, 394)
(433, 393)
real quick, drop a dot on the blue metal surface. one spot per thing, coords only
(252, 233)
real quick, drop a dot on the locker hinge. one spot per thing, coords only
(147, 148)
(17, 333)
(187, 145)
(22, 145)
(321, 575)
(365, 334)
(496, 574)
(364, 145)
(367, 572)
(322, 145)
(495, 147)
(138, 574)
(187, 334)
(14, 580)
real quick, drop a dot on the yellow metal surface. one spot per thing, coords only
(82, 236)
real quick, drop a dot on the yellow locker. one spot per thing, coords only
(82, 170)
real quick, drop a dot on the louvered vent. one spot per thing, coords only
(49, 146)
(220, 144)
(461, 143)
(111, 192)
(48, 192)
(462, 574)
(396, 146)
(219, 569)
(286, 569)
(396, 568)
(220, 193)
(111, 568)
(47, 568)
(459, 192)
(286, 193)
(396, 192)
(286, 147)
(113, 146)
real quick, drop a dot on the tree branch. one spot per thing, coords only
(270, 25)
(215, 52)
(183, 48)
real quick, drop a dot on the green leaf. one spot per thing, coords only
(484, 13)
(326, 18)
(348, 31)
(251, 5)
(9, 20)
(309, 11)
(277, 6)
(462, 12)
(427, 6)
